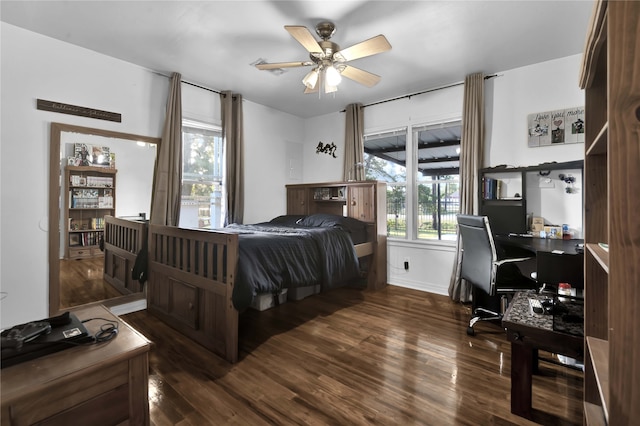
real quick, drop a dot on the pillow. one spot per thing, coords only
(356, 228)
(287, 220)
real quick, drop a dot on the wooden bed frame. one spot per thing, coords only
(192, 272)
(123, 240)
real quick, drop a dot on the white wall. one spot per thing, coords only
(273, 142)
(509, 99)
(522, 91)
(270, 139)
(37, 67)
(328, 129)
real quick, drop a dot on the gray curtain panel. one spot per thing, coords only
(167, 177)
(471, 158)
(354, 143)
(233, 137)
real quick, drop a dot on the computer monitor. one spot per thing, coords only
(506, 218)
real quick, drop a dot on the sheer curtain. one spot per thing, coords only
(471, 153)
(233, 136)
(165, 198)
(354, 143)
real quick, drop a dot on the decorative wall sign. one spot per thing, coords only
(329, 149)
(78, 110)
(556, 127)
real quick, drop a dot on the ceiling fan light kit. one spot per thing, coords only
(328, 60)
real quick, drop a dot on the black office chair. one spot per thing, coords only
(494, 279)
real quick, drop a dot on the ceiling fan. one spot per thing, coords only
(328, 60)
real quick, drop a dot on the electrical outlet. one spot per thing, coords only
(406, 263)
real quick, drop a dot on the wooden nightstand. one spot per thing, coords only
(105, 383)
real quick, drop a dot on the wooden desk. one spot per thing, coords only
(101, 384)
(528, 333)
(534, 245)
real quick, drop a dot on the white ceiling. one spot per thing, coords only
(213, 43)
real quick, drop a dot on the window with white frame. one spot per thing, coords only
(202, 201)
(385, 160)
(421, 167)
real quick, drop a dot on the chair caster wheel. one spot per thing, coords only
(471, 331)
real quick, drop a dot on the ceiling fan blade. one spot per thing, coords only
(283, 65)
(372, 46)
(304, 37)
(360, 76)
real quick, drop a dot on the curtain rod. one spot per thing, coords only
(192, 84)
(487, 77)
(205, 88)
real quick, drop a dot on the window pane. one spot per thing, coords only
(438, 164)
(397, 210)
(385, 160)
(438, 205)
(201, 201)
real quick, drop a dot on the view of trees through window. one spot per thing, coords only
(202, 171)
(431, 188)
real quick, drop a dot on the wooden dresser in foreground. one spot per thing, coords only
(100, 384)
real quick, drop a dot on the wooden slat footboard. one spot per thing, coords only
(123, 240)
(191, 278)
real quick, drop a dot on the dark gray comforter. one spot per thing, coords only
(273, 257)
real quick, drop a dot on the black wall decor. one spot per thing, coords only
(329, 149)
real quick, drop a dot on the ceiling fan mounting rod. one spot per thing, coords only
(325, 30)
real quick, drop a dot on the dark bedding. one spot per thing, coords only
(273, 256)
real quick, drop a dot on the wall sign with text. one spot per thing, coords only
(556, 127)
(45, 105)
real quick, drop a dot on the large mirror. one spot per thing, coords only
(134, 157)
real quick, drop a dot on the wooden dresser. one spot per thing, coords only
(100, 384)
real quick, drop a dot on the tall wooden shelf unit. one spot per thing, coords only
(89, 196)
(610, 77)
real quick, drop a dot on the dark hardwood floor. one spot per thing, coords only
(81, 282)
(347, 357)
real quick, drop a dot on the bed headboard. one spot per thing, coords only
(362, 200)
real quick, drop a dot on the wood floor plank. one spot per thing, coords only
(349, 357)
(81, 282)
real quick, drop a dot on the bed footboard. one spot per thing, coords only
(123, 240)
(191, 278)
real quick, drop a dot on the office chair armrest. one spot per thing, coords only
(513, 259)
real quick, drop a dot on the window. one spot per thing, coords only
(431, 189)
(202, 201)
(385, 160)
(437, 177)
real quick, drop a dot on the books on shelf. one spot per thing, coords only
(91, 181)
(491, 188)
(89, 199)
(84, 239)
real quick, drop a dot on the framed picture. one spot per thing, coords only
(555, 127)
(74, 239)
